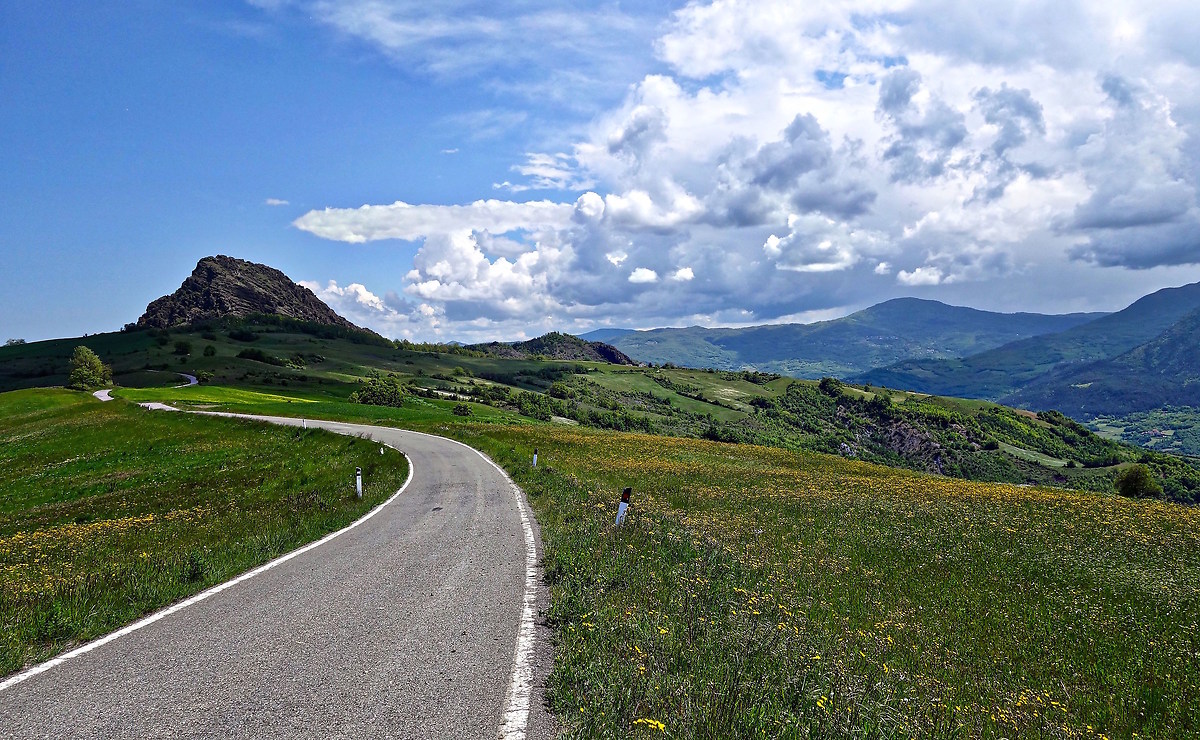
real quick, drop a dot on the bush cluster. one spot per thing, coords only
(379, 390)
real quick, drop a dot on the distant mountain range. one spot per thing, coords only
(1141, 358)
(606, 335)
(1088, 369)
(1164, 371)
(884, 334)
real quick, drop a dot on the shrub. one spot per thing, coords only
(1136, 481)
(87, 371)
(243, 335)
(379, 390)
(183, 348)
(14, 342)
(830, 387)
(210, 350)
(462, 409)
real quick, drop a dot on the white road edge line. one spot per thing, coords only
(520, 685)
(128, 629)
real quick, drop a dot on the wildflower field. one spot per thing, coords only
(755, 592)
(759, 592)
(108, 512)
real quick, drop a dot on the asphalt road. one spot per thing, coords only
(405, 626)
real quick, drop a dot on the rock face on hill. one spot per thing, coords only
(223, 286)
(557, 346)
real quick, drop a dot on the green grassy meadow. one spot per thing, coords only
(967, 439)
(757, 592)
(760, 592)
(109, 512)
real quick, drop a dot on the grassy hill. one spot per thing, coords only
(877, 336)
(109, 512)
(555, 346)
(762, 592)
(964, 439)
(996, 373)
(755, 590)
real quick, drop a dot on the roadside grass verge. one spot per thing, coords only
(756, 592)
(109, 512)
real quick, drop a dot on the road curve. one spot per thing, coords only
(404, 626)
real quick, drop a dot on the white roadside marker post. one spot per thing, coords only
(380, 450)
(358, 482)
(535, 457)
(623, 506)
(304, 422)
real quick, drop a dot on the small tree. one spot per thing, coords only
(87, 371)
(14, 342)
(1137, 481)
(183, 347)
(462, 409)
(379, 390)
(830, 386)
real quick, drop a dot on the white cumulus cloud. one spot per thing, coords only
(643, 275)
(927, 275)
(805, 158)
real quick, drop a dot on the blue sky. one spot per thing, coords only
(568, 166)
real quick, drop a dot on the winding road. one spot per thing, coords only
(417, 621)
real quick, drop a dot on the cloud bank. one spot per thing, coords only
(786, 158)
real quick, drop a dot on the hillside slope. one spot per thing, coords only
(881, 335)
(555, 346)
(1002, 371)
(1164, 371)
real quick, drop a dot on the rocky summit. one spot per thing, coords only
(224, 286)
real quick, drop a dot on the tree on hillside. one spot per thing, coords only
(14, 342)
(831, 387)
(379, 390)
(87, 371)
(1137, 481)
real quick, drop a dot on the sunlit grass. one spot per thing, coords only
(206, 394)
(108, 512)
(756, 592)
